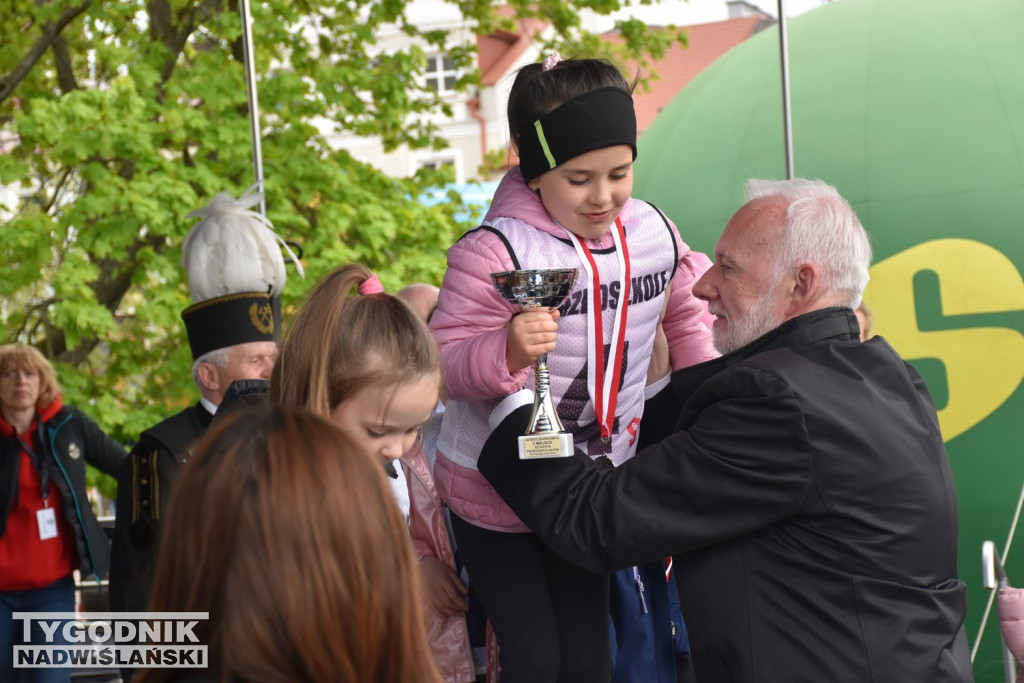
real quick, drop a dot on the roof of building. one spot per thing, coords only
(498, 51)
(707, 42)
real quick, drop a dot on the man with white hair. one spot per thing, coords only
(144, 483)
(800, 481)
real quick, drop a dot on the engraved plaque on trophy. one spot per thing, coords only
(545, 438)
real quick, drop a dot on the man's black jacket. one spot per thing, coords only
(806, 497)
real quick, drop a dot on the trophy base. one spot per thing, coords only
(555, 445)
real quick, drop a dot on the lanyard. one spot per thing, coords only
(604, 386)
(44, 477)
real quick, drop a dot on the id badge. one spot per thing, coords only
(47, 523)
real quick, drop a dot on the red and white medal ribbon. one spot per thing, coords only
(604, 386)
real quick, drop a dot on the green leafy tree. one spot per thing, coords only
(118, 117)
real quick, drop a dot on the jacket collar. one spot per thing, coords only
(47, 413)
(44, 416)
(827, 324)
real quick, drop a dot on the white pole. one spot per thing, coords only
(786, 114)
(994, 590)
(254, 107)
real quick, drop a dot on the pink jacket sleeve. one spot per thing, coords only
(701, 263)
(1011, 620)
(686, 317)
(469, 322)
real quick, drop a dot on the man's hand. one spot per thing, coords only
(530, 334)
(660, 364)
(443, 590)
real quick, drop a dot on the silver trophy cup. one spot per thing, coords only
(545, 438)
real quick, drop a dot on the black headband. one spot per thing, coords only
(596, 119)
(231, 319)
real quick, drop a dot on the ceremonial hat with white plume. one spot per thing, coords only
(236, 273)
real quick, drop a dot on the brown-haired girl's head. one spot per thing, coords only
(341, 341)
(366, 360)
(287, 534)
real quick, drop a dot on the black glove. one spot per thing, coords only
(543, 492)
(521, 483)
(242, 393)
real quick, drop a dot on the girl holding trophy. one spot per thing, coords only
(567, 205)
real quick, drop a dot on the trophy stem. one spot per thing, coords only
(545, 418)
(533, 289)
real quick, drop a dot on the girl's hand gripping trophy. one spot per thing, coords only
(545, 438)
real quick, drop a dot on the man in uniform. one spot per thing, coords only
(236, 274)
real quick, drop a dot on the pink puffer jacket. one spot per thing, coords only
(448, 636)
(1011, 622)
(470, 325)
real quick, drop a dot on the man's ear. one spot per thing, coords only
(804, 290)
(208, 376)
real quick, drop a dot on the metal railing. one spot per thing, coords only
(994, 577)
(93, 596)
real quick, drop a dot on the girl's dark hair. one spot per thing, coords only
(535, 92)
(341, 342)
(288, 535)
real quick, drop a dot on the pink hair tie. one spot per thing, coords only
(371, 285)
(551, 60)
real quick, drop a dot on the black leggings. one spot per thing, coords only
(550, 617)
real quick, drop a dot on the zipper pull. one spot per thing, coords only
(640, 590)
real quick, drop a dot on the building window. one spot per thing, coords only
(440, 74)
(435, 164)
(452, 164)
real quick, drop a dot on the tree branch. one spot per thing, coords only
(175, 35)
(62, 59)
(50, 32)
(65, 175)
(113, 282)
(39, 309)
